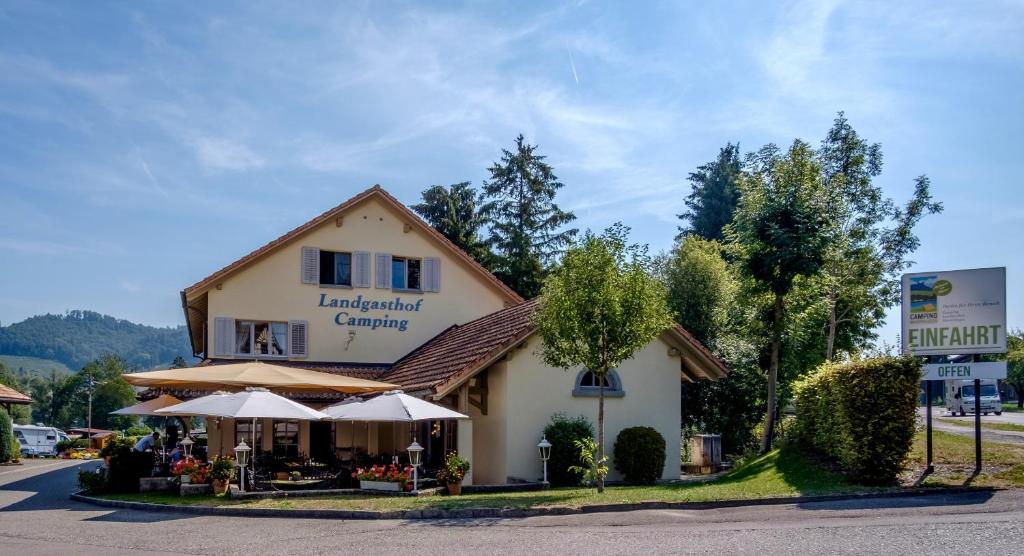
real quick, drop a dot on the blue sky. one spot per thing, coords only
(143, 146)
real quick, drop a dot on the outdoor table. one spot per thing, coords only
(297, 484)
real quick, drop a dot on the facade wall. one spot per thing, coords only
(490, 465)
(271, 290)
(535, 391)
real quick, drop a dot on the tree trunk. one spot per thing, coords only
(773, 376)
(600, 430)
(1020, 397)
(833, 324)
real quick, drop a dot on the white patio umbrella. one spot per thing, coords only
(393, 406)
(148, 407)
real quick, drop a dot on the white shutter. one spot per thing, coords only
(298, 338)
(431, 274)
(310, 266)
(223, 336)
(361, 269)
(384, 270)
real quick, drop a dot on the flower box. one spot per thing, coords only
(380, 485)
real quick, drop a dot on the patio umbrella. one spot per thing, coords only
(148, 407)
(393, 406)
(236, 376)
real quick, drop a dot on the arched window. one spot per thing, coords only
(588, 384)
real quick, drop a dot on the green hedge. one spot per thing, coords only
(10, 449)
(640, 454)
(562, 432)
(861, 414)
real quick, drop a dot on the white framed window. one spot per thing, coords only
(588, 384)
(261, 338)
(406, 273)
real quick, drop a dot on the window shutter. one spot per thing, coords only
(384, 270)
(431, 274)
(361, 269)
(310, 267)
(223, 336)
(298, 338)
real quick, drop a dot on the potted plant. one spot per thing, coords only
(184, 469)
(222, 472)
(383, 477)
(452, 473)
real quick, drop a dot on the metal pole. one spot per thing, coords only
(88, 434)
(977, 425)
(928, 420)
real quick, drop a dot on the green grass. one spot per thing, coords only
(1010, 407)
(781, 473)
(956, 453)
(34, 366)
(985, 425)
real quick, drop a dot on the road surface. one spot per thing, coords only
(36, 517)
(939, 415)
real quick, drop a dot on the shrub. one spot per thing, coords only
(563, 433)
(137, 431)
(222, 468)
(126, 468)
(861, 414)
(10, 448)
(640, 454)
(116, 444)
(92, 482)
(454, 469)
(71, 444)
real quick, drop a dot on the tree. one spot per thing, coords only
(10, 449)
(714, 197)
(779, 233)
(872, 237)
(179, 363)
(453, 211)
(525, 223)
(19, 413)
(701, 288)
(110, 393)
(1015, 364)
(597, 308)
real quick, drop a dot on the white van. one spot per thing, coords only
(960, 397)
(38, 440)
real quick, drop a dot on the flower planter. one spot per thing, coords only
(219, 487)
(186, 479)
(455, 489)
(380, 485)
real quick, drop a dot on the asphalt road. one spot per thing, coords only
(939, 415)
(36, 517)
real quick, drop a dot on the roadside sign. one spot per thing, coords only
(964, 371)
(954, 312)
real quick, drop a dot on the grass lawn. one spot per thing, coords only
(984, 424)
(781, 473)
(1010, 407)
(1003, 464)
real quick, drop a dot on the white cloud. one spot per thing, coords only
(224, 154)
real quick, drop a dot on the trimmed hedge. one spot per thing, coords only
(861, 414)
(10, 448)
(640, 454)
(562, 432)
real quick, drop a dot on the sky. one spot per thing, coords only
(145, 145)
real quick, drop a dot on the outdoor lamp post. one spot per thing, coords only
(415, 452)
(544, 447)
(242, 456)
(186, 445)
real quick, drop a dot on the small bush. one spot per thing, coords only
(126, 468)
(563, 432)
(137, 431)
(861, 414)
(640, 454)
(115, 445)
(71, 444)
(10, 448)
(92, 482)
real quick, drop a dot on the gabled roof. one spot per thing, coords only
(374, 192)
(12, 396)
(460, 352)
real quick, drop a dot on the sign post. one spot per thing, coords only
(958, 312)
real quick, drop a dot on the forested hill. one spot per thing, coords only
(78, 337)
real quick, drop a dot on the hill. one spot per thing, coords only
(77, 337)
(33, 366)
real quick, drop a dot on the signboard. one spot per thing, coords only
(954, 312)
(964, 371)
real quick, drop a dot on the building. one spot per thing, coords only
(368, 289)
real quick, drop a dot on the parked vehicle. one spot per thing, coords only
(38, 440)
(960, 397)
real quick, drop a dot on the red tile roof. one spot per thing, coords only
(463, 348)
(10, 395)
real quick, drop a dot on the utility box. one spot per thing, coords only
(705, 453)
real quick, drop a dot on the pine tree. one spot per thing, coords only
(525, 223)
(714, 196)
(453, 211)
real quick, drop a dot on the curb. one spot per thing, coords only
(471, 513)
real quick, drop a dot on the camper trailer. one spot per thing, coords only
(38, 440)
(960, 397)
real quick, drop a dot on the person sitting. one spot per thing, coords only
(147, 442)
(177, 453)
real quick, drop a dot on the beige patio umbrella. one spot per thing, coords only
(148, 407)
(238, 376)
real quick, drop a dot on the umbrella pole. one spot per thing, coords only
(252, 461)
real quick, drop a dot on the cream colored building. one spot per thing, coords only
(368, 289)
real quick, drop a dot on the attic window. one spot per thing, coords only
(335, 268)
(588, 384)
(405, 273)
